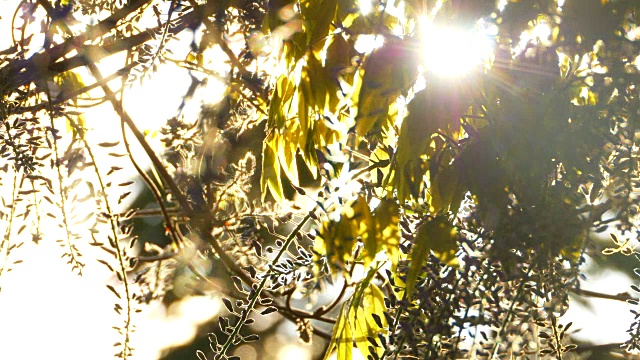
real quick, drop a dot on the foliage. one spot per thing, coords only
(451, 217)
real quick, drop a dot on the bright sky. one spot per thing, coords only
(47, 311)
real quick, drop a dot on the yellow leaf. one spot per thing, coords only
(363, 323)
(77, 126)
(341, 338)
(271, 172)
(383, 232)
(287, 147)
(318, 15)
(280, 100)
(69, 83)
(378, 230)
(355, 322)
(338, 55)
(337, 239)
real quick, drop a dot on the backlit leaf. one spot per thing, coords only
(438, 236)
(389, 71)
(318, 15)
(356, 321)
(378, 230)
(341, 338)
(271, 172)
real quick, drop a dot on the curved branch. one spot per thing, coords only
(176, 192)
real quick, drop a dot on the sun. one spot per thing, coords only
(452, 52)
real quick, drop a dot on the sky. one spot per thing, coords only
(48, 311)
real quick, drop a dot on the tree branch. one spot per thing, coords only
(49, 63)
(600, 347)
(162, 171)
(619, 297)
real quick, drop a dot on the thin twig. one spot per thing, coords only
(619, 297)
(600, 347)
(159, 166)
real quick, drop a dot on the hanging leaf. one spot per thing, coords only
(342, 337)
(364, 325)
(437, 235)
(69, 82)
(438, 107)
(337, 239)
(270, 179)
(287, 146)
(318, 15)
(389, 71)
(273, 18)
(356, 320)
(447, 192)
(379, 231)
(280, 102)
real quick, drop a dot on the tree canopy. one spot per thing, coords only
(442, 169)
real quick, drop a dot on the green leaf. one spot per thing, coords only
(273, 20)
(437, 235)
(438, 107)
(389, 71)
(446, 190)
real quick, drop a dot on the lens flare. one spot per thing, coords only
(452, 52)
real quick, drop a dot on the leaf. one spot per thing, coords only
(273, 19)
(69, 82)
(356, 322)
(227, 304)
(337, 239)
(363, 322)
(315, 80)
(287, 147)
(377, 319)
(338, 56)
(251, 338)
(271, 180)
(341, 338)
(389, 71)
(318, 15)
(113, 290)
(437, 235)
(438, 107)
(380, 230)
(447, 190)
(269, 310)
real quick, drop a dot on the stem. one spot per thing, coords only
(158, 165)
(116, 241)
(256, 295)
